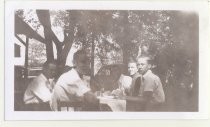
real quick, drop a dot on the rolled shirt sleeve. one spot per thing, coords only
(42, 92)
(159, 93)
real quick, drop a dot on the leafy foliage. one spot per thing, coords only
(37, 54)
(170, 37)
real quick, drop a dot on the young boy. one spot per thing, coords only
(151, 90)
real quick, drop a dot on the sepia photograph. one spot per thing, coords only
(88, 60)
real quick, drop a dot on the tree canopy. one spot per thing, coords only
(169, 35)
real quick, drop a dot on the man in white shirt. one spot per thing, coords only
(71, 86)
(38, 92)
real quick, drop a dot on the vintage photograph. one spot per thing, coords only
(106, 60)
(116, 61)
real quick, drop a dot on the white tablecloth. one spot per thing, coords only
(117, 105)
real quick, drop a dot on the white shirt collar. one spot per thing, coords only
(147, 73)
(43, 77)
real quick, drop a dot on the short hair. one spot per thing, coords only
(46, 63)
(79, 54)
(131, 60)
(148, 58)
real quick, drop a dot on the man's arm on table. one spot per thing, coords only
(146, 98)
(90, 98)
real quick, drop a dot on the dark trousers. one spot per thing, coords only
(37, 107)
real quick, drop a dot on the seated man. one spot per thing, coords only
(71, 86)
(151, 94)
(38, 92)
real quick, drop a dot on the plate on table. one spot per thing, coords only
(109, 97)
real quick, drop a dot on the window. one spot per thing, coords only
(17, 50)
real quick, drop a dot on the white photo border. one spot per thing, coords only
(200, 7)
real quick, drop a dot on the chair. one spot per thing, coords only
(76, 105)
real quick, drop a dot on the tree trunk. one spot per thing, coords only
(44, 18)
(49, 45)
(65, 51)
(92, 58)
(59, 51)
